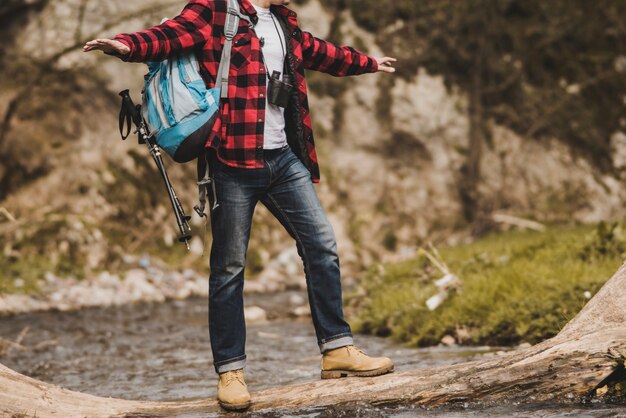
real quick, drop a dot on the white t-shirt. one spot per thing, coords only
(274, 51)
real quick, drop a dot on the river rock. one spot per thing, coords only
(448, 340)
(108, 280)
(100, 297)
(303, 310)
(296, 299)
(50, 277)
(96, 255)
(168, 237)
(135, 275)
(138, 288)
(155, 282)
(255, 314)
(271, 279)
(129, 259)
(19, 304)
(462, 334)
(197, 246)
(254, 286)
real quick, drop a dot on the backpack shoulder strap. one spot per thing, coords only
(233, 16)
(205, 178)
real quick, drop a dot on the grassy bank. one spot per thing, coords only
(515, 287)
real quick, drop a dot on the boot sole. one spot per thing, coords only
(337, 374)
(234, 406)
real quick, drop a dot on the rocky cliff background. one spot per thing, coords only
(405, 159)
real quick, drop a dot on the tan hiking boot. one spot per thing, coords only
(352, 361)
(232, 391)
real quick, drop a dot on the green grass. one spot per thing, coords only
(516, 287)
(23, 267)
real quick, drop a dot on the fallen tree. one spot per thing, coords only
(586, 355)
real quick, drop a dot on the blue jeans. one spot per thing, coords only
(284, 186)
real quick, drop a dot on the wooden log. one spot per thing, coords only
(567, 367)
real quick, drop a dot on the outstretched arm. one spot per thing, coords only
(324, 56)
(108, 46)
(192, 27)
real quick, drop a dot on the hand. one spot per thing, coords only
(108, 46)
(384, 64)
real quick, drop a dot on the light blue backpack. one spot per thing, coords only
(178, 109)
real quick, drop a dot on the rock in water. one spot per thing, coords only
(255, 314)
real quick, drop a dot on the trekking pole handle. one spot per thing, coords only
(130, 108)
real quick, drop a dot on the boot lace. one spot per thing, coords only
(355, 348)
(236, 375)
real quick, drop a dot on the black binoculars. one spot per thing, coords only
(278, 91)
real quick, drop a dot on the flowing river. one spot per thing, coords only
(162, 352)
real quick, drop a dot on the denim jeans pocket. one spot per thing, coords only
(219, 167)
(233, 174)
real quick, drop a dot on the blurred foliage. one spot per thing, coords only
(56, 245)
(390, 240)
(546, 69)
(616, 384)
(608, 240)
(516, 287)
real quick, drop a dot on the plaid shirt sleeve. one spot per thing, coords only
(324, 56)
(192, 27)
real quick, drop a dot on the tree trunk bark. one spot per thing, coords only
(470, 172)
(566, 368)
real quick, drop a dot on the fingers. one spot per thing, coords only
(107, 45)
(99, 43)
(95, 44)
(384, 65)
(89, 46)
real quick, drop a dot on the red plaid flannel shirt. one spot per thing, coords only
(238, 134)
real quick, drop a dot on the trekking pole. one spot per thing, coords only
(131, 112)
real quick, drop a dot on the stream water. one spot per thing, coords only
(162, 352)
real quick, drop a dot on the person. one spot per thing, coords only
(262, 151)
